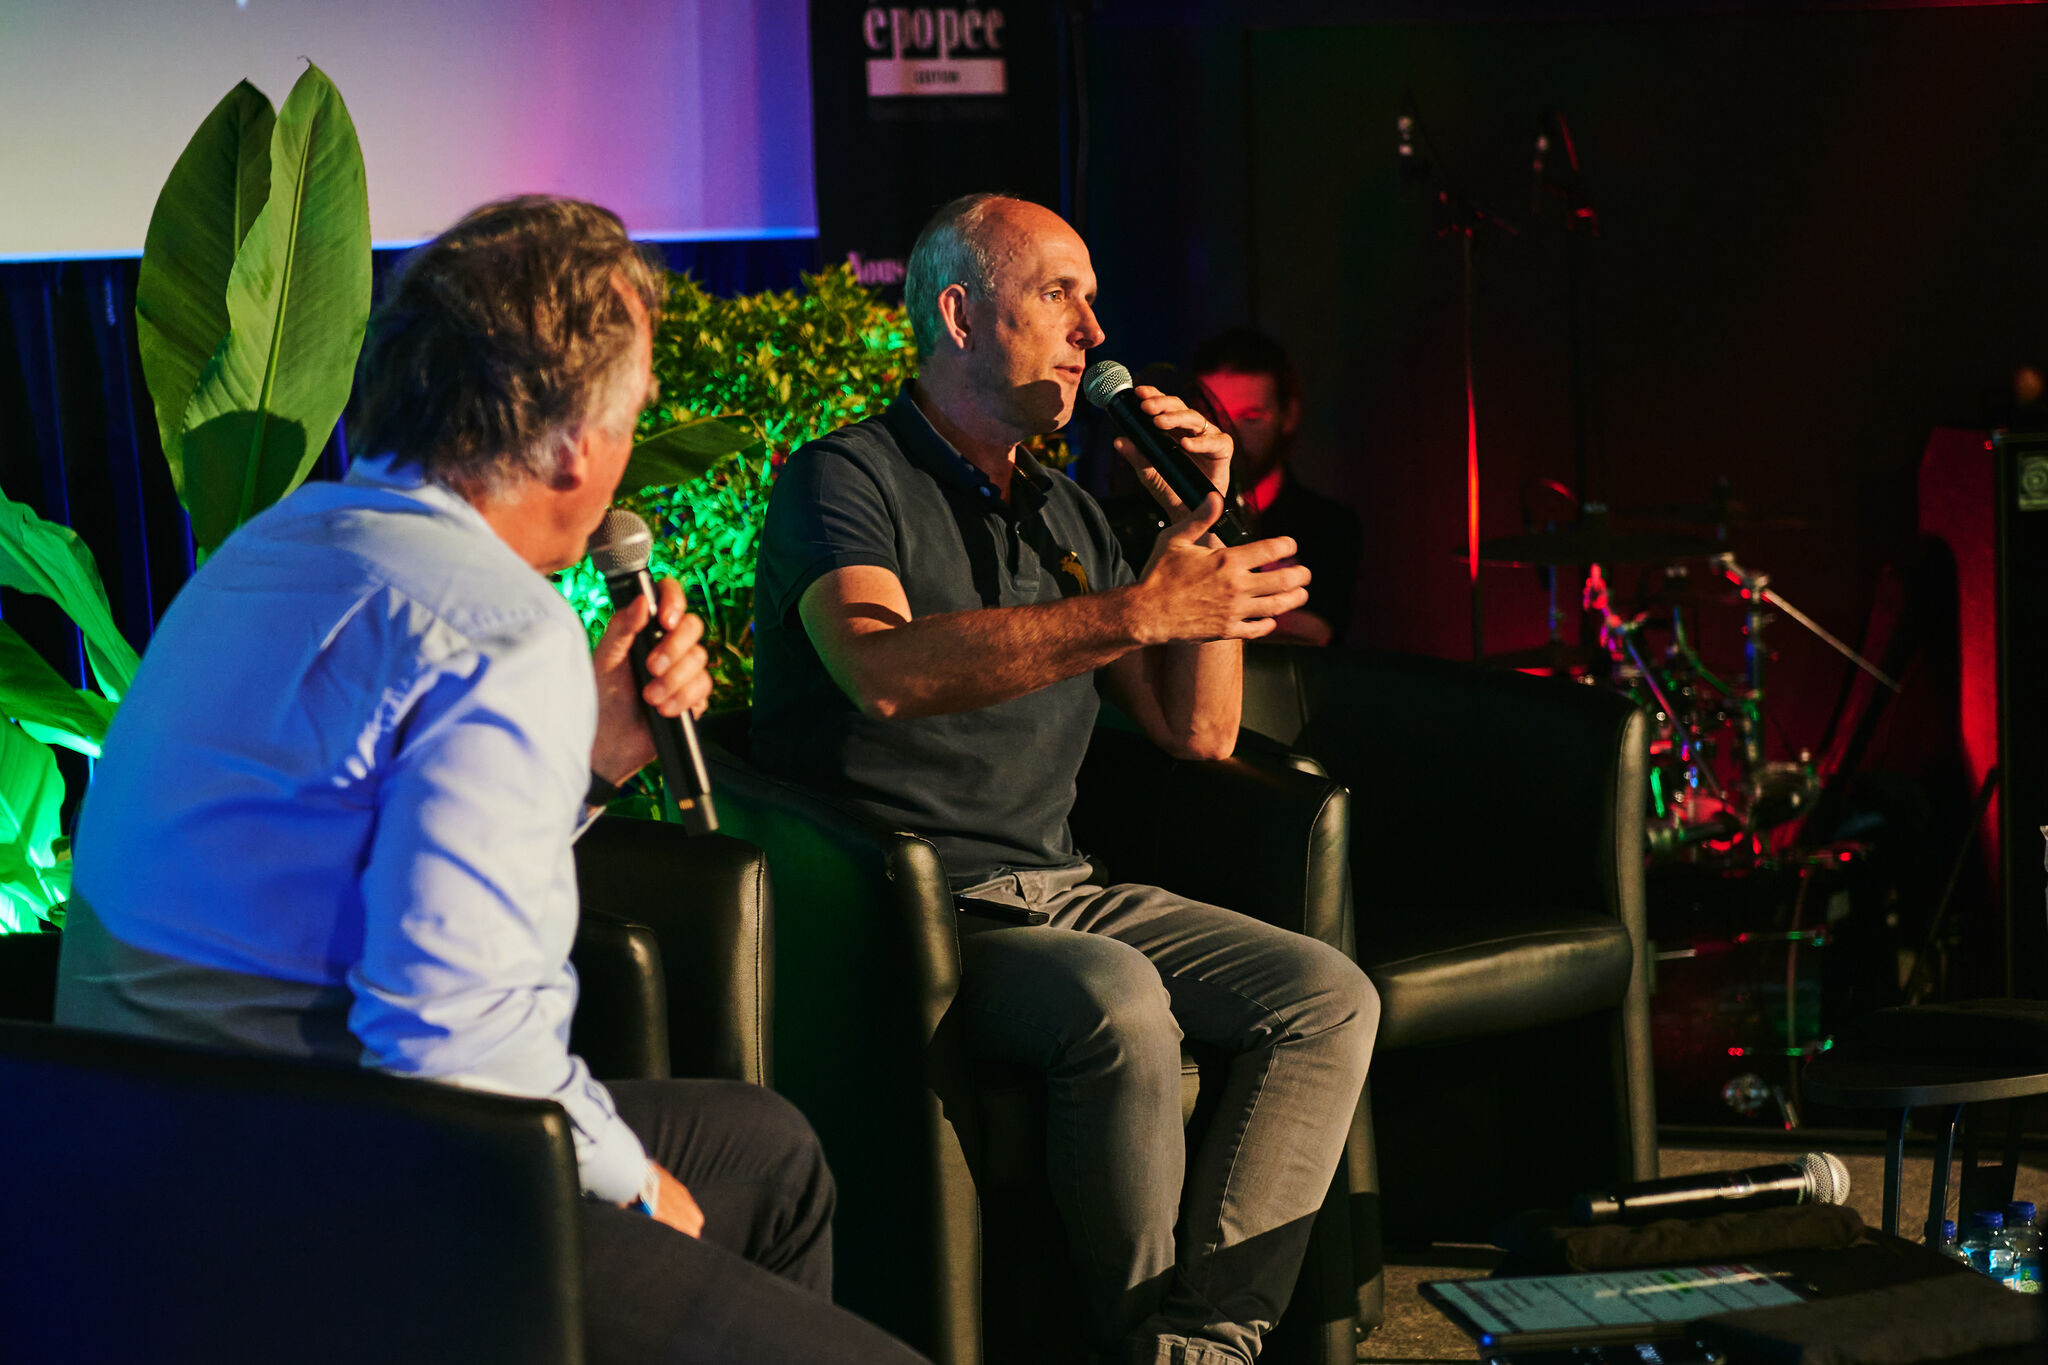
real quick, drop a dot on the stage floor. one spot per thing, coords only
(1415, 1332)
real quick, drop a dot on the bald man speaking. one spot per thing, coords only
(937, 614)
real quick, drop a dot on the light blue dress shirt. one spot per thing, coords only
(335, 813)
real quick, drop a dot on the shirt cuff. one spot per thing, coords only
(611, 1163)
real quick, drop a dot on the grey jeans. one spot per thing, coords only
(1099, 999)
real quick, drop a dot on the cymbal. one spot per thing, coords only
(1584, 545)
(1713, 514)
(1556, 656)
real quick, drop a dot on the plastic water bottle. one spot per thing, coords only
(1989, 1249)
(1948, 1245)
(2025, 1236)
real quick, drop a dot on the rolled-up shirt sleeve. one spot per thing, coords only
(469, 889)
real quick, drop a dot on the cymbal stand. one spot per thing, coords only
(1616, 632)
(1757, 593)
(1749, 720)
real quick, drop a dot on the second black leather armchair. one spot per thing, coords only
(1497, 865)
(942, 1202)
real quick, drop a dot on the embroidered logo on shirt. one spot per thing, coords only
(1071, 567)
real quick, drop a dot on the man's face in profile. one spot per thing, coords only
(1032, 336)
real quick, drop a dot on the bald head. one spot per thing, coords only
(1001, 295)
(967, 243)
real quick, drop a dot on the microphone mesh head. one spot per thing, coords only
(1827, 1179)
(1105, 380)
(621, 544)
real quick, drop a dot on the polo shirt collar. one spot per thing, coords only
(924, 447)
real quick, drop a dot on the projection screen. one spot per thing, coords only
(691, 120)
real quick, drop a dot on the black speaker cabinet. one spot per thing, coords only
(1985, 494)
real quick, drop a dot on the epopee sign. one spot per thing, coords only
(934, 50)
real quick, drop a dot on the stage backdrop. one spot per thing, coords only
(691, 120)
(914, 105)
(1820, 240)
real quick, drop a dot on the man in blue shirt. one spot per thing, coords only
(335, 814)
(935, 614)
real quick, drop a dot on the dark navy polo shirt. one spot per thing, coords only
(991, 788)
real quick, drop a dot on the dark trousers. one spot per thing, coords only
(756, 1289)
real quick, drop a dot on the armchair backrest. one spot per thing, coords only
(708, 902)
(1466, 781)
(168, 1203)
(1253, 833)
(28, 976)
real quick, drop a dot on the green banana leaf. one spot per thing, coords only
(298, 298)
(220, 183)
(678, 454)
(36, 696)
(31, 794)
(42, 557)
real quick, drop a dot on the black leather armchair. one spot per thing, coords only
(943, 1215)
(354, 1216)
(167, 1203)
(1497, 865)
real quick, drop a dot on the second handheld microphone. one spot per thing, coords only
(1816, 1178)
(1108, 386)
(620, 550)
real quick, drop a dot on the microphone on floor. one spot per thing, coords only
(620, 549)
(1816, 1178)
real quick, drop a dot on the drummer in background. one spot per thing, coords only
(1250, 379)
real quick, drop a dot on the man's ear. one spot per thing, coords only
(952, 304)
(1291, 418)
(573, 469)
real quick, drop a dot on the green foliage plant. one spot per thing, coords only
(250, 309)
(253, 297)
(778, 369)
(38, 708)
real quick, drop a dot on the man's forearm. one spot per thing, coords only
(965, 660)
(1200, 688)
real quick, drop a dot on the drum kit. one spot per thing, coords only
(1739, 899)
(1712, 784)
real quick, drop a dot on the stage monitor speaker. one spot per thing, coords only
(1985, 494)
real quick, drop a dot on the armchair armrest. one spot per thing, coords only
(867, 962)
(1252, 833)
(621, 1023)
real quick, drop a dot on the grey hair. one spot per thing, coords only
(503, 339)
(952, 249)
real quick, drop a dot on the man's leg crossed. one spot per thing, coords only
(756, 1288)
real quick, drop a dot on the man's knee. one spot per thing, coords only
(1098, 1002)
(1115, 993)
(1335, 994)
(778, 1126)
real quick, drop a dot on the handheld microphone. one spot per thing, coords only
(1816, 1178)
(620, 549)
(1108, 386)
